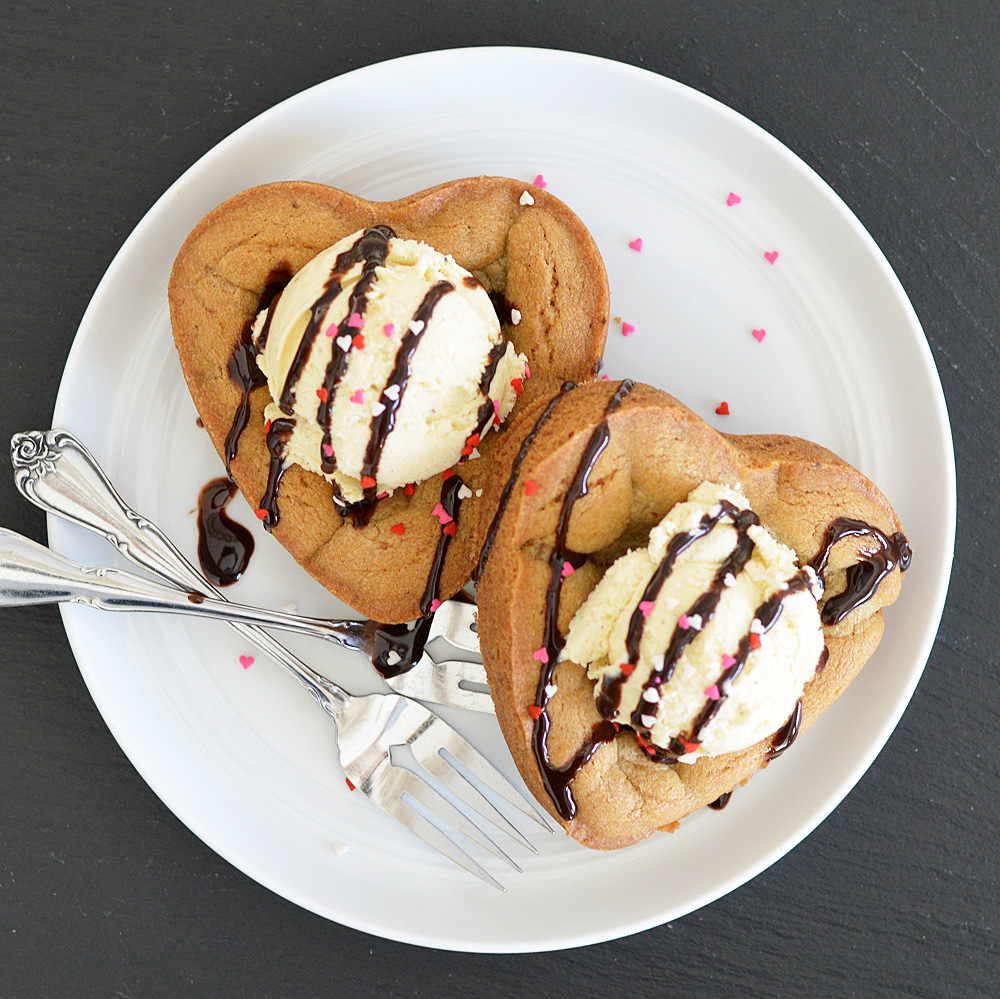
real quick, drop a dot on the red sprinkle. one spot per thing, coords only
(359, 341)
(689, 747)
(531, 487)
(535, 711)
(722, 409)
(399, 529)
(409, 489)
(517, 384)
(451, 529)
(754, 640)
(267, 426)
(627, 668)
(261, 514)
(350, 786)
(323, 394)
(447, 474)
(367, 482)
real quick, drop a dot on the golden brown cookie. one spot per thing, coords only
(532, 253)
(585, 476)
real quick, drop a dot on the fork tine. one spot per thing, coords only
(475, 672)
(455, 621)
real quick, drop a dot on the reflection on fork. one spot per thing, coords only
(57, 473)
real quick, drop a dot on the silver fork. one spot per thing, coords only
(370, 726)
(56, 472)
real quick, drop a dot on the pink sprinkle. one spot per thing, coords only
(759, 335)
(683, 623)
(331, 330)
(567, 570)
(605, 378)
(771, 256)
(246, 661)
(389, 328)
(727, 661)
(733, 199)
(356, 321)
(636, 244)
(646, 606)
(542, 655)
(540, 182)
(328, 450)
(442, 514)
(712, 693)
(435, 604)
(358, 397)
(627, 328)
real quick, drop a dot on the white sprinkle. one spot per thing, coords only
(291, 607)
(658, 662)
(344, 342)
(515, 317)
(729, 579)
(479, 492)
(648, 720)
(527, 199)
(391, 392)
(392, 658)
(378, 408)
(464, 492)
(340, 848)
(756, 627)
(669, 603)
(694, 622)
(550, 689)
(651, 694)
(475, 453)
(416, 325)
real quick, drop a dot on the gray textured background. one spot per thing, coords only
(104, 893)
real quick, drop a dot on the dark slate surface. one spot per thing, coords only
(103, 892)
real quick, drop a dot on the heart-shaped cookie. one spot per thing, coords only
(530, 252)
(580, 480)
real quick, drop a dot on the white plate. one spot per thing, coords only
(243, 757)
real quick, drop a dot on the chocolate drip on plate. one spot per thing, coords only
(865, 576)
(224, 546)
(557, 780)
(721, 801)
(785, 735)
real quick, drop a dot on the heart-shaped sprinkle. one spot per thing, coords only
(517, 384)
(261, 514)
(636, 244)
(535, 711)
(694, 621)
(464, 492)
(389, 328)
(450, 529)
(356, 321)
(733, 199)
(416, 326)
(567, 569)
(367, 482)
(771, 256)
(530, 488)
(550, 690)
(683, 623)
(435, 604)
(729, 580)
(540, 182)
(727, 661)
(646, 607)
(393, 658)
(542, 655)
(722, 409)
(515, 316)
(358, 341)
(399, 529)
(759, 335)
(322, 394)
(754, 640)
(442, 514)
(409, 489)
(344, 342)
(246, 661)
(712, 693)
(378, 408)
(392, 392)
(331, 329)
(526, 199)
(756, 627)
(627, 668)
(627, 328)
(358, 397)
(327, 449)
(648, 720)
(651, 695)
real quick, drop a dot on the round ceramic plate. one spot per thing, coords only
(754, 286)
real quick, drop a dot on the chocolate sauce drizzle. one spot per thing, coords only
(515, 471)
(224, 546)
(865, 576)
(278, 435)
(786, 735)
(557, 780)
(242, 363)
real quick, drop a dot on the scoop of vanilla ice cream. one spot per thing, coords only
(714, 659)
(411, 332)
